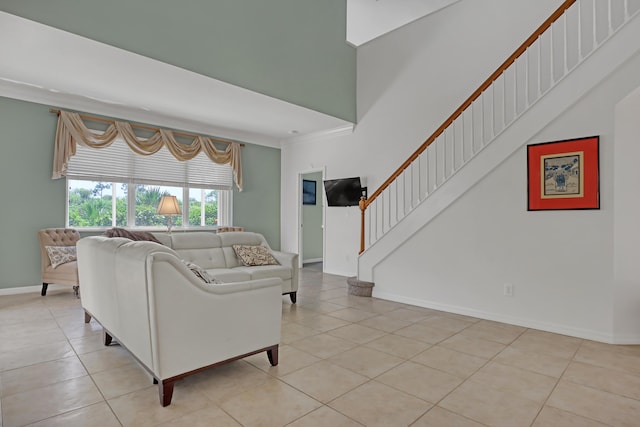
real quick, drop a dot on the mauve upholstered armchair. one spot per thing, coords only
(63, 274)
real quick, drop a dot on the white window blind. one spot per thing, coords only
(118, 163)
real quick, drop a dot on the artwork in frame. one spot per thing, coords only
(308, 192)
(564, 174)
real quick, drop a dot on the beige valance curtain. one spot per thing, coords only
(72, 130)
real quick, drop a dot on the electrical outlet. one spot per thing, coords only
(508, 290)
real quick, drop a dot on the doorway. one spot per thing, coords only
(311, 220)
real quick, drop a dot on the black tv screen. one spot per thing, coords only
(343, 192)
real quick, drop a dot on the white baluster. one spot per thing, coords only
(552, 79)
(539, 43)
(610, 19)
(504, 99)
(566, 44)
(395, 182)
(579, 32)
(453, 147)
(526, 79)
(481, 120)
(493, 111)
(595, 27)
(462, 162)
(382, 213)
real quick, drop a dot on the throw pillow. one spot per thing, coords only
(254, 255)
(133, 235)
(201, 272)
(59, 255)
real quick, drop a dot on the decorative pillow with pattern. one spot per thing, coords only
(201, 273)
(254, 255)
(59, 255)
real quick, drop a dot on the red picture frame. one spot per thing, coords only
(564, 174)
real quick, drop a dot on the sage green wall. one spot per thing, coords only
(293, 50)
(257, 207)
(312, 222)
(32, 200)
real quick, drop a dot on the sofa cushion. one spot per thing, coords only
(205, 257)
(195, 240)
(254, 255)
(229, 274)
(242, 238)
(59, 255)
(267, 271)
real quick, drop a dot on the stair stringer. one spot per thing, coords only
(602, 62)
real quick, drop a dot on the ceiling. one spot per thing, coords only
(49, 66)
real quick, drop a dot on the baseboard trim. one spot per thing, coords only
(309, 261)
(29, 289)
(524, 322)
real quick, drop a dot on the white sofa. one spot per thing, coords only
(170, 320)
(214, 253)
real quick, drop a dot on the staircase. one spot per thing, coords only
(582, 43)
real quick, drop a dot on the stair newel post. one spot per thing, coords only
(362, 204)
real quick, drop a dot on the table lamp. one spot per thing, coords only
(169, 207)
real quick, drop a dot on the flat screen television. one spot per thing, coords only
(343, 192)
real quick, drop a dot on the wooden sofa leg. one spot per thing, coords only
(87, 317)
(107, 338)
(272, 354)
(293, 297)
(165, 391)
(44, 289)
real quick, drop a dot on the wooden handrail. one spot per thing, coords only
(473, 97)
(501, 69)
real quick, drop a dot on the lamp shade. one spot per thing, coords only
(169, 206)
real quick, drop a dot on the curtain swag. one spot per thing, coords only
(72, 130)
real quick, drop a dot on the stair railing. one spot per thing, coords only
(557, 47)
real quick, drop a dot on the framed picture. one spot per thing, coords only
(564, 174)
(308, 192)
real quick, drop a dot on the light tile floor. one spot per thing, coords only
(344, 361)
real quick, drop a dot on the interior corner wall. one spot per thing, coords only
(626, 232)
(32, 200)
(409, 81)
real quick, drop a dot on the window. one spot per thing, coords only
(114, 187)
(107, 204)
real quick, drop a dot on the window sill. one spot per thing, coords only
(174, 229)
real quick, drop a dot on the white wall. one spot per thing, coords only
(573, 272)
(626, 227)
(409, 81)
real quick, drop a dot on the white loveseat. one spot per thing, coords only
(214, 252)
(171, 321)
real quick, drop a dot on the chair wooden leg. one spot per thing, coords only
(272, 354)
(165, 390)
(293, 297)
(107, 338)
(87, 317)
(44, 289)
